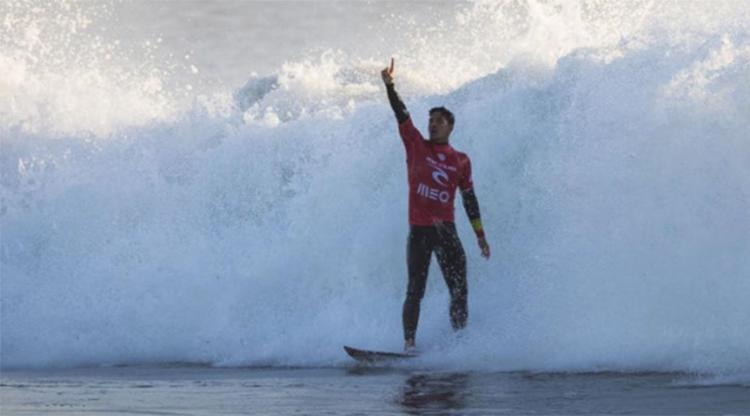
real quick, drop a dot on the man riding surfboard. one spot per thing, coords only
(435, 169)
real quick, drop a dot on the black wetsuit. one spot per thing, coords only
(443, 240)
(439, 235)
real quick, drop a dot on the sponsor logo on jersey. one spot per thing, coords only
(432, 193)
(434, 163)
(440, 176)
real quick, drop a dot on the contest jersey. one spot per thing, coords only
(434, 171)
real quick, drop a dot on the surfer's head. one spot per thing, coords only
(440, 124)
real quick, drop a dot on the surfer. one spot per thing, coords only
(435, 169)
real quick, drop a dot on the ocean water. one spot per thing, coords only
(221, 183)
(357, 391)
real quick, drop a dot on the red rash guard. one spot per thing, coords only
(434, 170)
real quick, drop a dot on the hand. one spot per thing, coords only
(484, 246)
(387, 74)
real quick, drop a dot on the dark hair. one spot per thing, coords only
(445, 113)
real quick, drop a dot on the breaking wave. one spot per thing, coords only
(142, 222)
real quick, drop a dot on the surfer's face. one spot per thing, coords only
(440, 128)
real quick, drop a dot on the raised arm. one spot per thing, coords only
(398, 106)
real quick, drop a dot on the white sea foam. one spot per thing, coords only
(610, 158)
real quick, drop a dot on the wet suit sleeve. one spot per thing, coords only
(409, 133)
(398, 106)
(471, 204)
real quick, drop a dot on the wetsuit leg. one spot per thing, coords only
(418, 252)
(452, 259)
